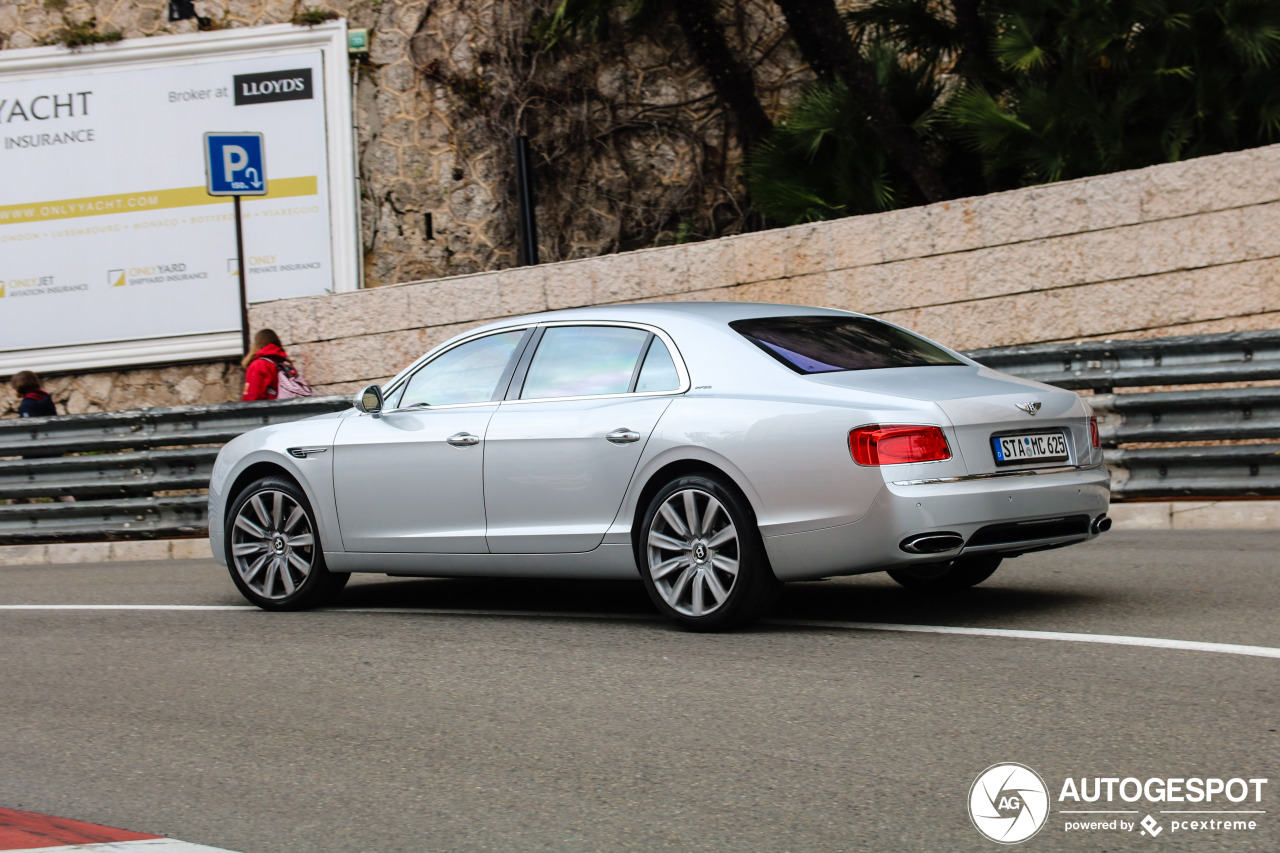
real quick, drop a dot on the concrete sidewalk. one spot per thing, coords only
(103, 552)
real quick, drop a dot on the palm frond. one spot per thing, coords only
(982, 122)
(1016, 48)
(1251, 30)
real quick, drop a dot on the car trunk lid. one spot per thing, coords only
(982, 404)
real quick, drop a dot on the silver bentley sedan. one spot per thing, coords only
(713, 451)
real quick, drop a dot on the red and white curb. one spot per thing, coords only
(29, 832)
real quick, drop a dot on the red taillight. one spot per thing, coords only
(894, 445)
(1093, 431)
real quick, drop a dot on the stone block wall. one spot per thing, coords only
(137, 388)
(1181, 248)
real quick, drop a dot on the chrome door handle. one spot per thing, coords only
(622, 436)
(463, 439)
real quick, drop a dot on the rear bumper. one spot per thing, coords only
(1008, 513)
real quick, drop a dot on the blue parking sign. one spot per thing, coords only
(235, 163)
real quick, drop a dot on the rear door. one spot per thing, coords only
(561, 450)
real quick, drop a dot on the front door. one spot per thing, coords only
(402, 487)
(410, 478)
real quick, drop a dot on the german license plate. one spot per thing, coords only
(1033, 447)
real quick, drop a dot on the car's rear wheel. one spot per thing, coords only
(959, 573)
(273, 548)
(701, 556)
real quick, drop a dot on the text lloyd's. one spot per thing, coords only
(1192, 789)
(275, 87)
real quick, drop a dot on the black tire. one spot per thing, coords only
(960, 573)
(273, 548)
(711, 574)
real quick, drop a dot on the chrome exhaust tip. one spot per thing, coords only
(1101, 524)
(931, 543)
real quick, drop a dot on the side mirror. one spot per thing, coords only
(369, 400)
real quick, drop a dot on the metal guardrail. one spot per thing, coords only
(146, 429)
(1103, 365)
(1226, 414)
(105, 520)
(1223, 471)
(1180, 469)
(123, 474)
(120, 466)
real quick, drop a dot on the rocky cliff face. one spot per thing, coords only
(631, 147)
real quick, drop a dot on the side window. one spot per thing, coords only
(581, 361)
(659, 371)
(465, 374)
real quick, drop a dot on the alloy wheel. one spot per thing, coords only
(273, 544)
(693, 552)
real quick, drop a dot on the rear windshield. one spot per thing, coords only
(825, 344)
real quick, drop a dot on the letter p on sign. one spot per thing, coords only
(235, 163)
(234, 158)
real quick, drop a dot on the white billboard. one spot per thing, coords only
(111, 250)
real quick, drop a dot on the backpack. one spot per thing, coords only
(289, 382)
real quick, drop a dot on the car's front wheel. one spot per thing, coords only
(273, 548)
(959, 573)
(701, 556)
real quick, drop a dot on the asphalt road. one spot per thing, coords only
(545, 716)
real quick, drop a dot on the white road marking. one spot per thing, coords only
(996, 633)
(1060, 636)
(127, 607)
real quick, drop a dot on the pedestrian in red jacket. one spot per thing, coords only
(261, 367)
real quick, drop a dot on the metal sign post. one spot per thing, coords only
(235, 164)
(528, 223)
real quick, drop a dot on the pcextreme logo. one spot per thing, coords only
(1009, 803)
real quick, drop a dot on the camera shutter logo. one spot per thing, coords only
(1008, 803)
